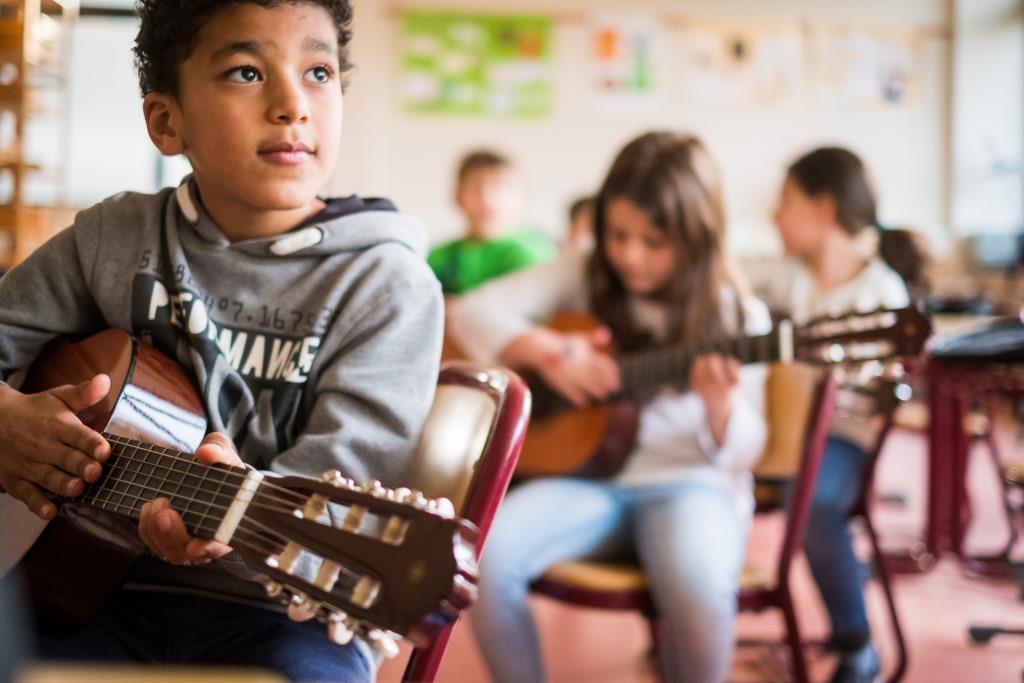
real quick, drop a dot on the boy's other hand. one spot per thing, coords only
(161, 527)
(46, 447)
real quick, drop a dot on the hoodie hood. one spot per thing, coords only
(350, 223)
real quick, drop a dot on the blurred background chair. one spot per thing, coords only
(981, 634)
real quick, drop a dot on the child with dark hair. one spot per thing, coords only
(581, 223)
(657, 276)
(908, 253)
(488, 193)
(826, 217)
(312, 325)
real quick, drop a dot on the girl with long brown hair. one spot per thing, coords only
(658, 275)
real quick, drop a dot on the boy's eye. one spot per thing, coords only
(318, 74)
(244, 74)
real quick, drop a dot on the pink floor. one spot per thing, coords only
(936, 607)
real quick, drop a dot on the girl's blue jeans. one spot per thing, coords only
(690, 537)
(829, 542)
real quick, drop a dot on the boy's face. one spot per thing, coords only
(491, 200)
(259, 108)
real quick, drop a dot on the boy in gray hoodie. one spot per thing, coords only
(313, 326)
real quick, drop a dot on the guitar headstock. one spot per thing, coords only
(862, 336)
(360, 557)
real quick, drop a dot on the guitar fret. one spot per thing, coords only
(185, 490)
(648, 369)
(116, 480)
(147, 468)
(215, 497)
(184, 512)
(137, 473)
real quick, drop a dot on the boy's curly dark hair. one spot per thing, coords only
(167, 35)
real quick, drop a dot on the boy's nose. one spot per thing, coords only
(289, 105)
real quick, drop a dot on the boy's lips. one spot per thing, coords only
(287, 153)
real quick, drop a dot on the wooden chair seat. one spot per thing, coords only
(627, 581)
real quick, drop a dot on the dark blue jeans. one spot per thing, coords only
(829, 543)
(160, 628)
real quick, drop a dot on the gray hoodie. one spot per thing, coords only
(314, 350)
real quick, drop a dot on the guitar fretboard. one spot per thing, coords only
(139, 472)
(644, 371)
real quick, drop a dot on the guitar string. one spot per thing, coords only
(652, 366)
(296, 497)
(175, 456)
(263, 536)
(266, 536)
(268, 533)
(210, 504)
(238, 477)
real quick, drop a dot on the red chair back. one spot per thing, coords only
(819, 423)
(491, 470)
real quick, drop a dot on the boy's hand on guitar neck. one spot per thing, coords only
(46, 447)
(162, 529)
(714, 378)
(579, 366)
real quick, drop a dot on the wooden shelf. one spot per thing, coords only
(33, 43)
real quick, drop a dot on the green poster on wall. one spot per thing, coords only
(476, 64)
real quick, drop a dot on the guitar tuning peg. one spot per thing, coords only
(402, 494)
(273, 589)
(340, 628)
(333, 477)
(308, 604)
(374, 488)
(418, 500)
(442, 507)
(383, 642)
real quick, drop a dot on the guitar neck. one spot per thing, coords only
(642, 372)
(138, 472)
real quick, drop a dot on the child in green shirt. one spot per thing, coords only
(489, 195)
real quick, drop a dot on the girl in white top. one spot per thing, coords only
(826, 219)
(682, 503)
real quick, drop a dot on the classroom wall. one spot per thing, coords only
(930, 158)
(988, 117)
(411, 157)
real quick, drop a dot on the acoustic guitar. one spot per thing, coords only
(595, 441)
(363, 558)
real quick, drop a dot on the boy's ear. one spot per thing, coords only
(162, 123)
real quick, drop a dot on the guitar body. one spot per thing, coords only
(589, 442)
(81, 557)
(566, 441)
